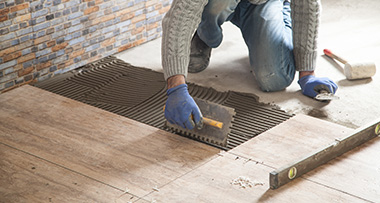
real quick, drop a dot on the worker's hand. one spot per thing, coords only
(180, 106)
(311, 85)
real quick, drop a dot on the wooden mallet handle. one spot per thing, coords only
(332, 55)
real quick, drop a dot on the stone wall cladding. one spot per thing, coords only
(41, 38)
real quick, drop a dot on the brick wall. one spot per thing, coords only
(41, 38)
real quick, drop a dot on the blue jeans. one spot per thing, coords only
(267, 31)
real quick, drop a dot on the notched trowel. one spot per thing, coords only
(213, 134)
(326, 96)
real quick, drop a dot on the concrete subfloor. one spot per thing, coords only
(348, 28)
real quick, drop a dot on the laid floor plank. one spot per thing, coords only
(214, 182)
(25, 178)
(107, 147)
(157, 165)
(356, 172)
(291, 140)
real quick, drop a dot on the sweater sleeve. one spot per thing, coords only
(306, 19)
(178, 27)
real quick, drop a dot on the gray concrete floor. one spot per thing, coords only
(349, 28)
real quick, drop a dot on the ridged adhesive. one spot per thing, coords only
(140, 94)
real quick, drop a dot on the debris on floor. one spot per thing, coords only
(155, 188)
(245, 182)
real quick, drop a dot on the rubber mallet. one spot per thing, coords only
(354, 71)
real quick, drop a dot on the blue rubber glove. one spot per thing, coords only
(311, 85)
(180, 106)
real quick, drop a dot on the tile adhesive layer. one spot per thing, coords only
(140, 94)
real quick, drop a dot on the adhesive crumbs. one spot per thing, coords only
(155, 188)
(244, 182)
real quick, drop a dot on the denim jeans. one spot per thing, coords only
(267, 32)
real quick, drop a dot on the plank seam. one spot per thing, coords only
(180, 176)
(342, 191)
(73, 171)
(324, 185)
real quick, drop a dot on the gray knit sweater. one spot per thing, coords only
(184, 16)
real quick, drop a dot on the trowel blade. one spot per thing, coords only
(326, 97)
(209, 134)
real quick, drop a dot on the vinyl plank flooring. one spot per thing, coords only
(152, 164)
(102, 145)
(26, 178)
(291, 140)
(357, 172)
(215, 182)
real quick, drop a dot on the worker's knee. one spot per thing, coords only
(215, 8)
(273, 83)
(275, 79)
(214, 15)
(269, 11)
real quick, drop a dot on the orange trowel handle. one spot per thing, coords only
(210, 122)
(213, 123)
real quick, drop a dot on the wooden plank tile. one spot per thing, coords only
(107, 147)
(25, 178)
(356, 172)
(302, 135)
(291, 140)
(212, 182)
